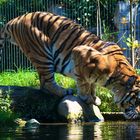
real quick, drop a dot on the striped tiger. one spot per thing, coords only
(55, 43)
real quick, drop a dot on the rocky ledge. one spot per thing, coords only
(32, 103)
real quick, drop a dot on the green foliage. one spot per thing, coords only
(106, 97)
(84, 11)
(12, 8)
(65, 82)
(5, 102)
(2, 2)
(138, 71)
(19, 78)
(132, 43)
(6, 115)
(108, 35)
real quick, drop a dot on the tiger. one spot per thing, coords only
(57, 44)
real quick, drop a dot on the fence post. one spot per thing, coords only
(132, 34)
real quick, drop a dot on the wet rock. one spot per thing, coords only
(70, 108)
(32, 123)
(75, 110)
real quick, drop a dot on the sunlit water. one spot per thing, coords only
(88, 131)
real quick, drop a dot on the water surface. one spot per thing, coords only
(115, 130)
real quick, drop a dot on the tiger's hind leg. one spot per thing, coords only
(48, 83)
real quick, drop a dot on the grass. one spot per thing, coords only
(30, 78)
(20, 78)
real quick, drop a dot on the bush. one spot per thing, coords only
(7, 117)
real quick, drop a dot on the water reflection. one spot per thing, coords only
(87, 131)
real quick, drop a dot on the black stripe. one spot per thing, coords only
(52, 23)
(39, 21)
(42, 63)
(45, 73)
(48, 24)
(76, 40)
(58, 51)
(40, 42)
(56, 64)
(131, 98)
(40, 24)
(49, 79)
(31, 42)
(7, 27)
(57, 33)
(117, 53)
(83, 40)
(64, 66)
(46, 68)
(66, 58)
(122, 103)
(60, 26)
(32, 17)
(114, 51)
(48, 50)
(107, 44)
(96, 40)
(40, 49)
(122, 62)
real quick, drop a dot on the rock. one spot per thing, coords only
(20, 122)
(74, 110)
(32, 123)
(70, 108)
(31, 103)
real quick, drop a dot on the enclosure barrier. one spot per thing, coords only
(96, 16)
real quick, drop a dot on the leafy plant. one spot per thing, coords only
(134, 45)
(6, 115)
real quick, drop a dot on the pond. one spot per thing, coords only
(110, 130)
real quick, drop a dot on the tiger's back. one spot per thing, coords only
(48, 35)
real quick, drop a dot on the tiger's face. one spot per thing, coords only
(129, 102)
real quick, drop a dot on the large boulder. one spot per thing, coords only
(75, 110)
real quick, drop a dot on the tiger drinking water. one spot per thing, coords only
(55, 43)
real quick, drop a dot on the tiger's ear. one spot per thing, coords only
(88, 57)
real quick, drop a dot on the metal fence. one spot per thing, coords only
(98, 18)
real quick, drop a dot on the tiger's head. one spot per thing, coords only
(112, 71)
(129, 99)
